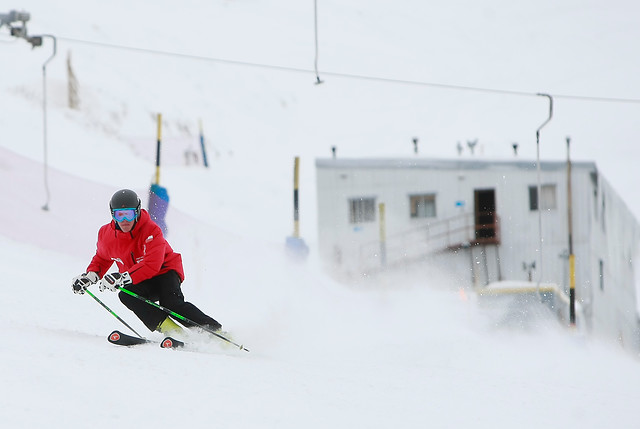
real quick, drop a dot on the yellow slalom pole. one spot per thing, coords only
(572, 257)
(296, 211)
(295, 245)
(572, 290)
(158, 149)
(383, 234)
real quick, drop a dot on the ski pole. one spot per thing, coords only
(111, 311)
(178, 316)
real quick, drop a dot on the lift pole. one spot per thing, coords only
(539, 184)
(44, 119)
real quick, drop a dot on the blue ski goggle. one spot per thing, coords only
(124, 214)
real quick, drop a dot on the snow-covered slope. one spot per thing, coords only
(406, 352)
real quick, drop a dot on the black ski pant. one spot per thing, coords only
(164, 289)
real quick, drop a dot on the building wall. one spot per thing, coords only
(353, 250)
(614, 238)
(454, 186)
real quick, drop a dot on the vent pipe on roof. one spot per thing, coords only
(472, 144)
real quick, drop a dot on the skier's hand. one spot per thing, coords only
(114, 281)
(80, 283)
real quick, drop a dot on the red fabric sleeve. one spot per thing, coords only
(100, 263)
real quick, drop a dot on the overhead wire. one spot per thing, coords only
(315, 28)
(348, 75)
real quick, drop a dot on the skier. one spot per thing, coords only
(147, 266)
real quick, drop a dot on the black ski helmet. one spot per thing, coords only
(125, 199)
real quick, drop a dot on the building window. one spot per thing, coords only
(423, 205)
(362, 210)
(548, 200)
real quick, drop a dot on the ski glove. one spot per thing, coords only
(114, 281)
(83, 281)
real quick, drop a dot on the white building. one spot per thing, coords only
(481, 220)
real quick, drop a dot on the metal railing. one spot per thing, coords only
(416, 243)
(420, 241)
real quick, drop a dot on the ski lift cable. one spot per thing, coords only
(352, 75)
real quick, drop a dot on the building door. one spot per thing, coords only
(486, 220)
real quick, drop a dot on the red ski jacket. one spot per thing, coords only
(143, 251)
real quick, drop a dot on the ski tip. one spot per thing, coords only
(171, 343)
(120, 339)
(114, 337)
